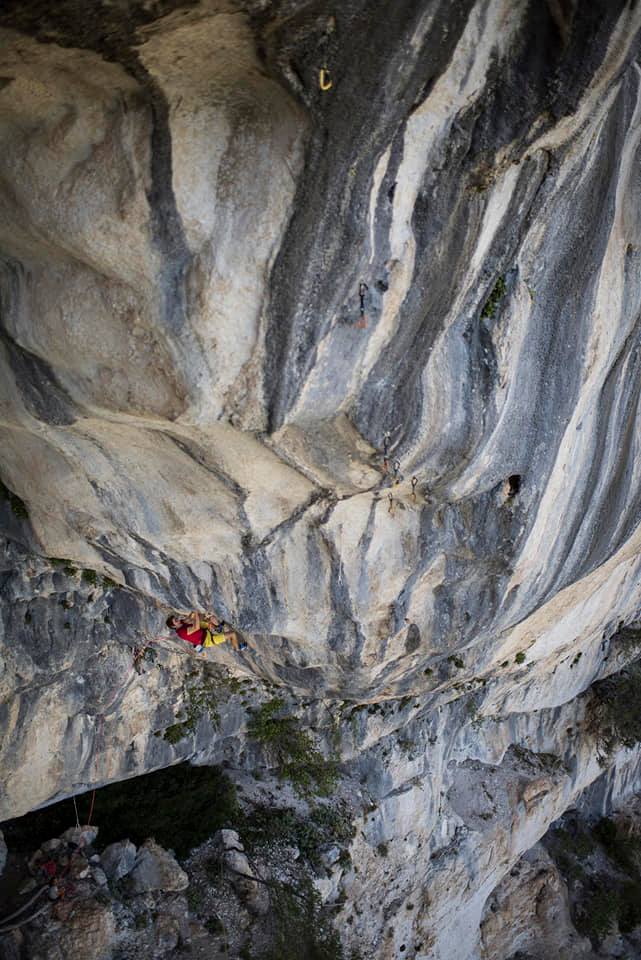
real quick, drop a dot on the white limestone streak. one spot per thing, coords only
(379, 173)
(562, 497)
(486, 32)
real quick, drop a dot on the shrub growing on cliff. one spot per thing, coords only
(630, 910)
(299, 928)
(614, 711)
(325, 825)
(292, 748)
(621, 847)
(598, 914)
(492, 302)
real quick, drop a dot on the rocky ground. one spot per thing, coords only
(267, 891)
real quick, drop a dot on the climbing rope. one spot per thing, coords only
(22, 922)
(93, 798)
(24, 906)
(119, 689)
(75, 806)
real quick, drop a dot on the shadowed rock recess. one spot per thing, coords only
(357, 368)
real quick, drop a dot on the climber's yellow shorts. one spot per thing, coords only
(213, 639)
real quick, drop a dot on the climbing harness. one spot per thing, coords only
(414, 482)
(324, 79)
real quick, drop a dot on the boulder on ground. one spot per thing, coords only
(118, 859)
(81, 836)
(156, 869)
(88, 931)
(229, 848)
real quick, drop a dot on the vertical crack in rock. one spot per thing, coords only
(167, 226)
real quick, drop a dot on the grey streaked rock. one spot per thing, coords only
(194, 409)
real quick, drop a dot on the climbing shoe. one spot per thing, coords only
(242, 645)
(199, 648)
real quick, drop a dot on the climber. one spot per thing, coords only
(204, 631)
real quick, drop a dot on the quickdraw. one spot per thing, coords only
(324, 79)
(362, 290)
(414, 482)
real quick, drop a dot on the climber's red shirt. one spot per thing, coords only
(195, 638)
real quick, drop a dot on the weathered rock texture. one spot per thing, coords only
(191, 407)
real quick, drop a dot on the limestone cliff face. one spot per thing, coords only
(193, 407)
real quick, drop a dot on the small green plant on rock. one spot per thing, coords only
(520, 657)
(492, 302)
(18, 506)
(456, 661)
(201, 697)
